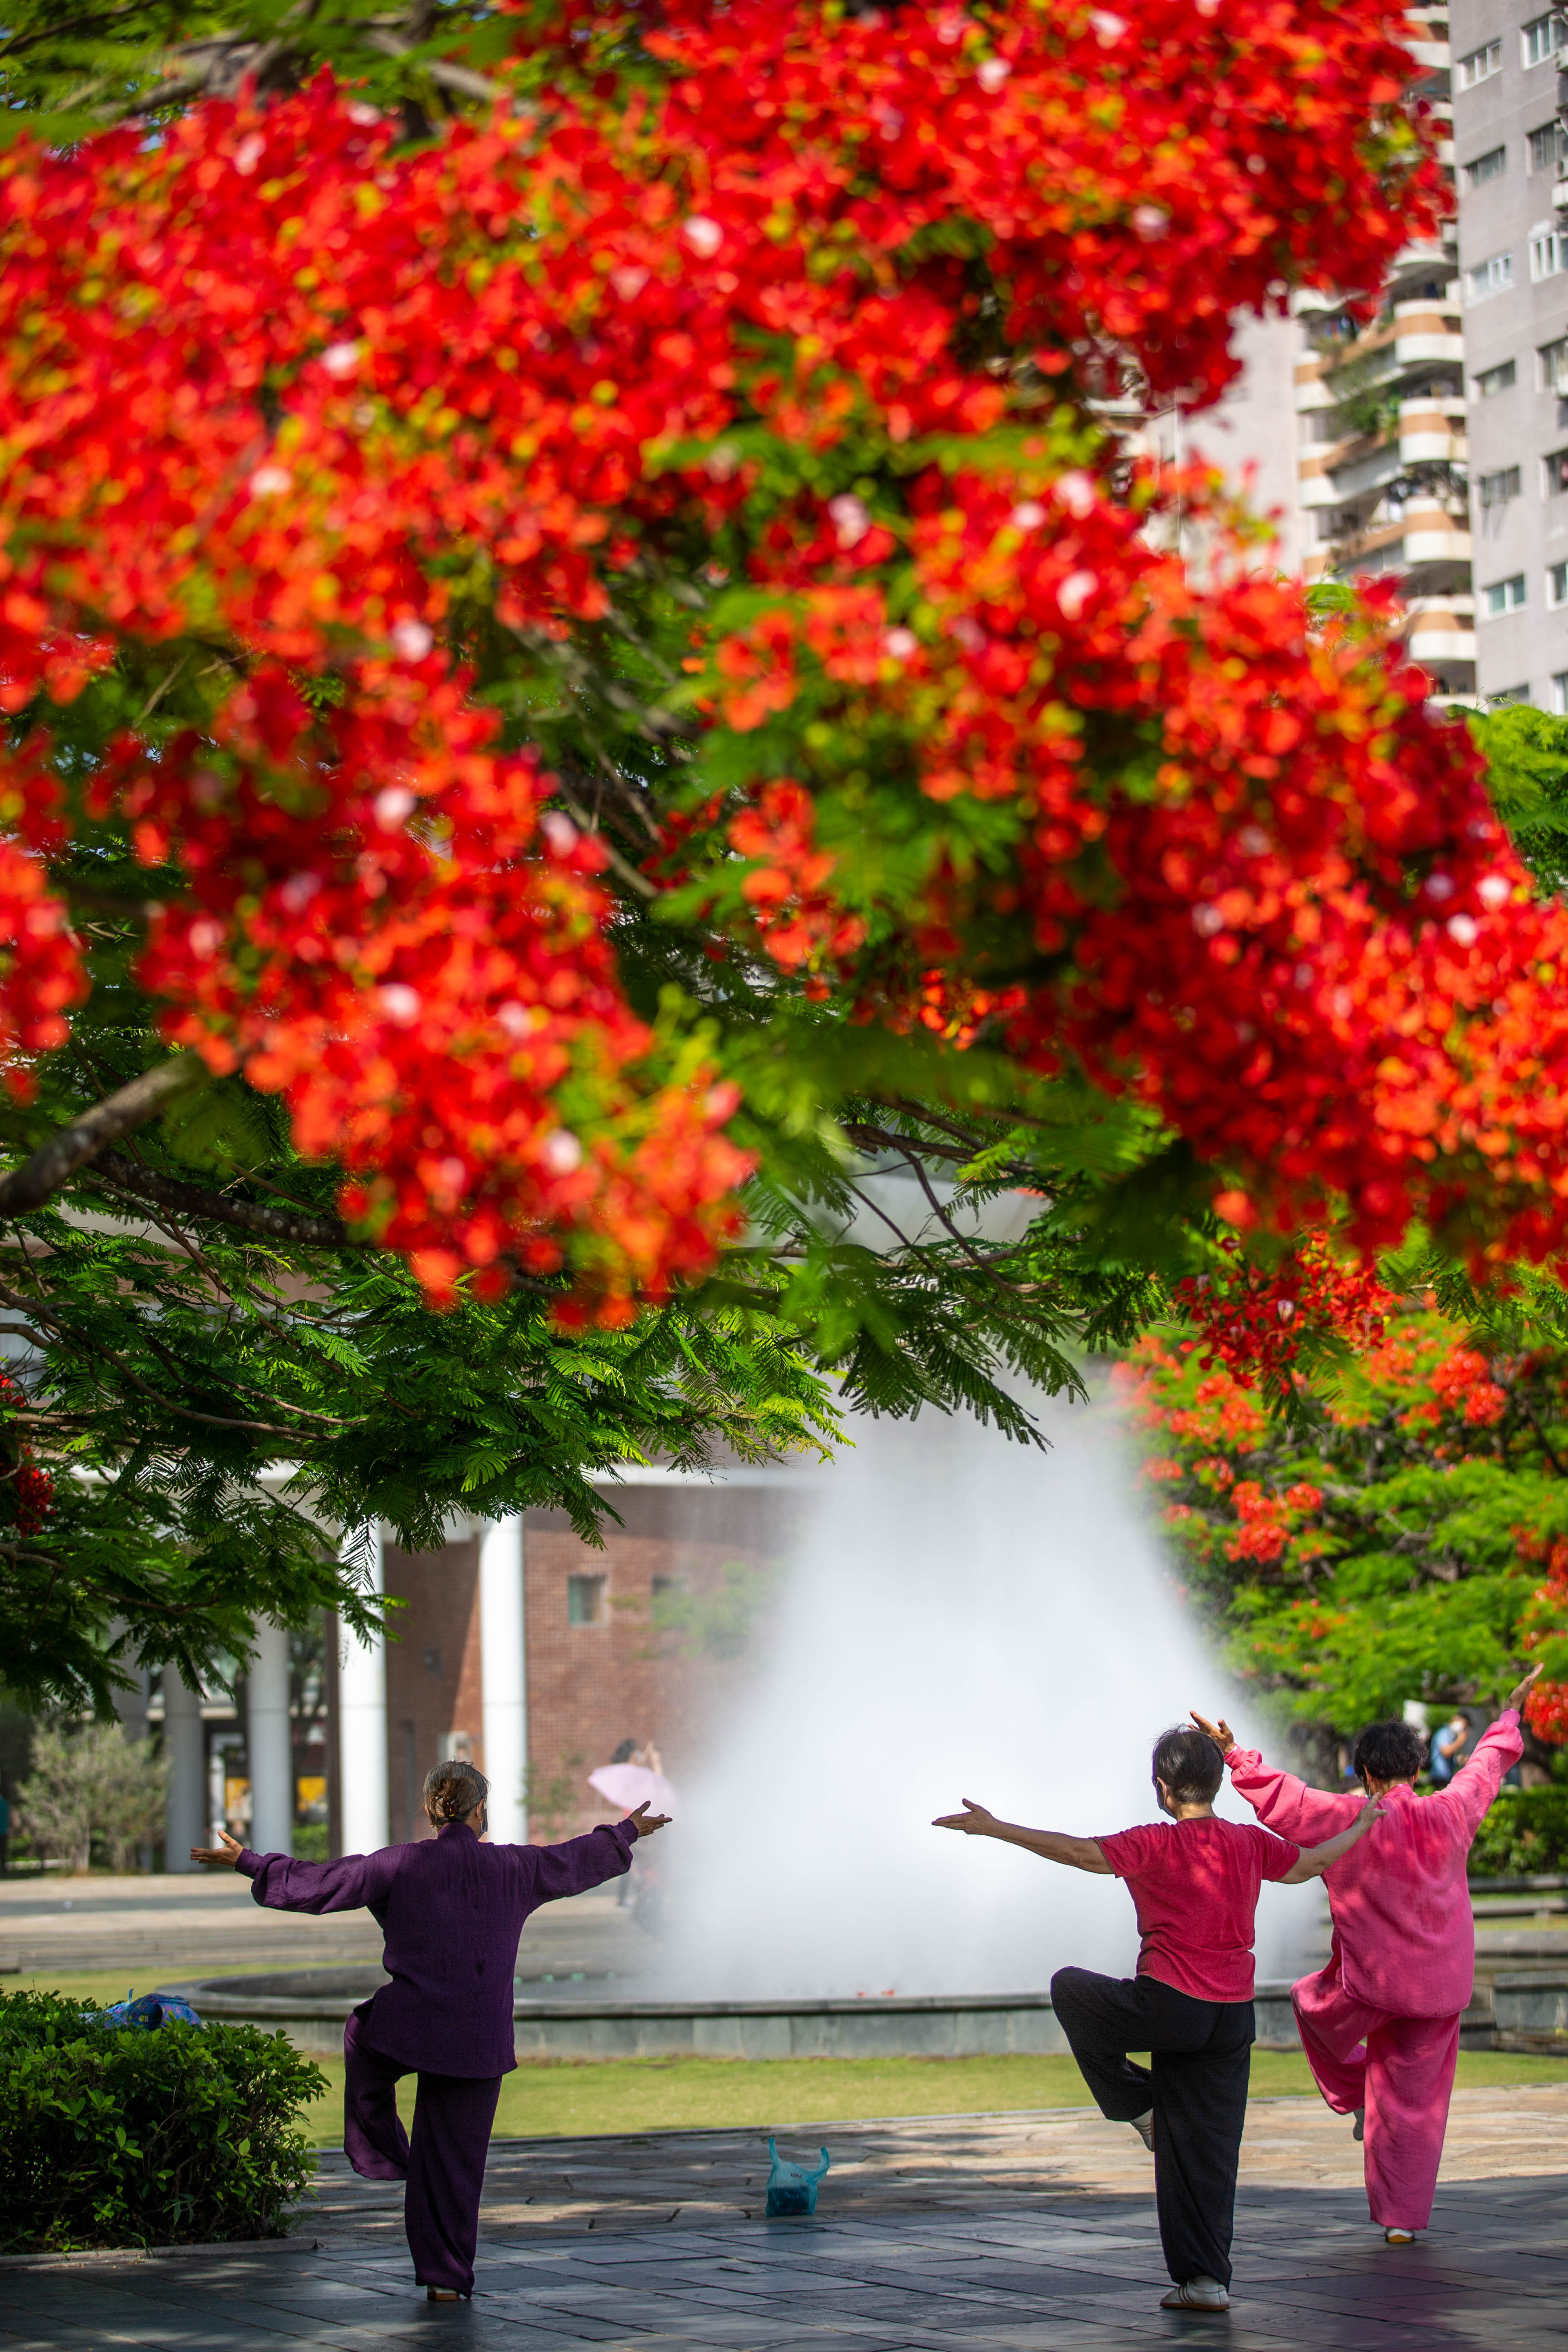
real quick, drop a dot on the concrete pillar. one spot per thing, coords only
(184, 1750)
(269, 1744)
(505, 1657)
(362, 1715)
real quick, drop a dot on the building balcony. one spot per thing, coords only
(1425, 346)
(1436, 544)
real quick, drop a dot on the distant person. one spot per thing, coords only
(1447, 1750)
(5, 1835)
(1195, 1884)
(452, 1910)
(1380, 2024)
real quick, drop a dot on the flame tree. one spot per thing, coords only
(579, 657)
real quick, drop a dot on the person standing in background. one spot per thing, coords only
(5, 1835)
(1380, 2024)
(1447, 1750)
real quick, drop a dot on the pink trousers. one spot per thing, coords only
(1400, 2070)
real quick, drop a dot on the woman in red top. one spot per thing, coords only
(1194, 1881)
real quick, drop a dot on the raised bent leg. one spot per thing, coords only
(1103, 2017)
(452, 2119)
(1409, 2078)
(374, 2139)
(1200, 2110)
(1333, 2026)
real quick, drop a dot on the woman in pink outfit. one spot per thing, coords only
(1380, 2024)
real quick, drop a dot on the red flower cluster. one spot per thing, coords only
(1269, 1521)
(30, 1489)
(271, 383)
(1255, 1323)
(1463, 1382)
(1546, 1708)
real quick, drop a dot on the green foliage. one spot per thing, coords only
(1388, 1547)
(1526, 752)
(79, 67)
(91, 1786)
(1525, 1835)
(183, 2135)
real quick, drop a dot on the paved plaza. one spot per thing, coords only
(1030, 2232)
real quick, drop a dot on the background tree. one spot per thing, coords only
(91, 1786)
(1408, 1541)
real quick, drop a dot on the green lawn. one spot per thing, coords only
(553, 2096)
(549, 2098)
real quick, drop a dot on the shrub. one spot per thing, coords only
(1525, 1834)
(91, 1785)
(119, 2136)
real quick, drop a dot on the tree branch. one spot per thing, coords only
(283, 1225)
(70, 1147)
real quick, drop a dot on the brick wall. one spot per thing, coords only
(591, 1686)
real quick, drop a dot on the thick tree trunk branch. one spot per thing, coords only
(281, 1226)
(70, 1147)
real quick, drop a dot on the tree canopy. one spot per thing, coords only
(585, 661)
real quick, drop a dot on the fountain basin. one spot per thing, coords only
(589, 2017)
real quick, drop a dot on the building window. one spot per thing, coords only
(1548, 145)
(1551, 360)
(1560, 694)
(585, 1600)
(1479, 66)
(1507, 694)
(1548, 253)
(1554, 473)
(1489, 166)
(1501, 378)
(1505, 595)
(1496, 490)
(1491, 277)
(1542, 38)
(1557, 585)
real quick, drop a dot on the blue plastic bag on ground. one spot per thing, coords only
(154, 2009)
(791, 2188)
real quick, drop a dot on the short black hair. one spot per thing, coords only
(1189, 1764)
(624, 1752)
(1393, 1750)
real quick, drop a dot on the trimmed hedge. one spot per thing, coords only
(1524, 1835)
(116, 2135)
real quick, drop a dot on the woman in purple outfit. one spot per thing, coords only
(452, 1910)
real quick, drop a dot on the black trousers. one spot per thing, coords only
(1201, 2052)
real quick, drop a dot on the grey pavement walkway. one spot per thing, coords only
(1030, 2234)
(1070, 2273)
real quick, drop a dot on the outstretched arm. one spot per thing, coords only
(1476, 1783)
(1051, 1846)
(1313, 1860)
(281, 1884)
(1285, 1803)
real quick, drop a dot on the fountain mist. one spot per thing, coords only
(958, 1618)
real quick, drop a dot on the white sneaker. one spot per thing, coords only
(1358, 2129)
(1198, 2295)
(1145, 2128)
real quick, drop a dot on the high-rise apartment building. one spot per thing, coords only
(1508, 150)
(1381, 416)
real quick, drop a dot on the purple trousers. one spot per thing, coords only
(443, 2164)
